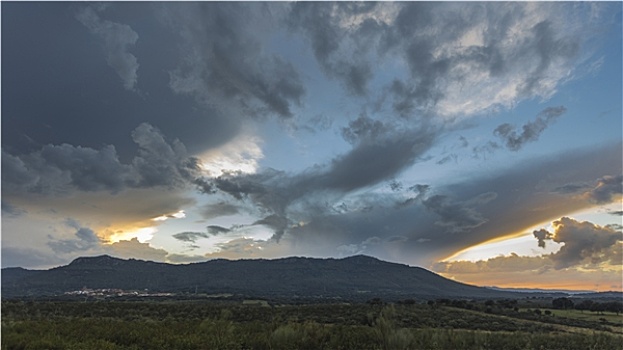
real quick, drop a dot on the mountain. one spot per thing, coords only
(353, 278)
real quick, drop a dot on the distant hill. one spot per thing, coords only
(353, 278)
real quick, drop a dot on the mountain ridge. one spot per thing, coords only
(358, 277)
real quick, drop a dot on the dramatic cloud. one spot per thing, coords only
(514, 271)
(317, 129)
(58, 169)
(85, 239)
(217, 41)
(530, 131)
(117, 38)
(379, 153)
(585, 249)
(505, 53)
(583, 241)
(340, 50)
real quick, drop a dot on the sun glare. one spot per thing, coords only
(521, 243)
(143, 235)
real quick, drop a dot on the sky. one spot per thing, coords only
(482, 141)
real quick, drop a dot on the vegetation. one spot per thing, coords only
(229, 325)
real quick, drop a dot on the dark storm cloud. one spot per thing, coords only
(160, 163)
(59, 169)
(530, 131)
(583, 242)
(85, 239)
(117, 39)
(218, 41)
(214, 52)
(191, 237)
(339, 53)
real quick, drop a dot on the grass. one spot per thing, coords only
(208, 325)
(588, 315)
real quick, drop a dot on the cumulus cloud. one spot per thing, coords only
(59, 169)
(118, 39)
(583, 242)
(530, 131)
(542, 235)
(528, 272)
(160, 163)
(584, 249)
(134, 249)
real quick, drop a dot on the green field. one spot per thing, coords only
(220, 325)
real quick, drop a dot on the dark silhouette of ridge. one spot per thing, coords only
(357, 277)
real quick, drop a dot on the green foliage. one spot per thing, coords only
(209, 325)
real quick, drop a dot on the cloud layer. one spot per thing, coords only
(187, 131)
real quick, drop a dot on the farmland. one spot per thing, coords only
(238, 325)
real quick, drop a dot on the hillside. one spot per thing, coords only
(353, 278)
